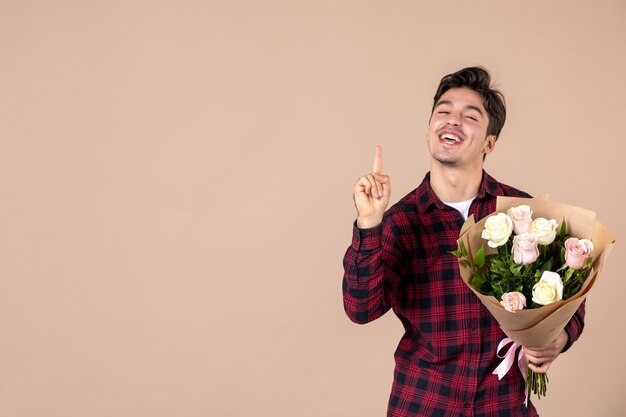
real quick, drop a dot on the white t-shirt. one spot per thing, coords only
(462, 206)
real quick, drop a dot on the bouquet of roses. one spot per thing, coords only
(540, 260)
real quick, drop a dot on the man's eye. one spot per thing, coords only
(443, 112)
(472, 118)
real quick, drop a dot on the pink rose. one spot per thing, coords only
(521, 216)
(525, 250)
(577, 251)
(513, 301)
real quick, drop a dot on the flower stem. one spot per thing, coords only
(536, 383)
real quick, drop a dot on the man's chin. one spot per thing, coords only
(446, 160)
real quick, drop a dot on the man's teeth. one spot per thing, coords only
(451, 137)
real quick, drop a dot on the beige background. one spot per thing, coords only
(176, 185)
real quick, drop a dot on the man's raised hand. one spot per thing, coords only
(371, 194)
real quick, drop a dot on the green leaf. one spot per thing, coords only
(477, 281)
(462, 248)
(479, 258)
(546, 265)
(516, 270)
(563, 230)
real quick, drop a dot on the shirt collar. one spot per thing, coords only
(426, 197)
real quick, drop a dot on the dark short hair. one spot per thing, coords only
(478, 80)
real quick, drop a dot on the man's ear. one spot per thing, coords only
(490, 144)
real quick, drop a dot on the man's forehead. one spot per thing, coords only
(462, 96)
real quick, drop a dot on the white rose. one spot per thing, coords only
(549, 288)
(544, 230)
(497, 230)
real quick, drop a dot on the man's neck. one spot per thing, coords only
(453, 184)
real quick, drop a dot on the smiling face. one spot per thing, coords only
(457, 132)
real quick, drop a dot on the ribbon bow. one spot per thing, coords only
(508, 358)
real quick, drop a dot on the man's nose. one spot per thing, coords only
(453, 119)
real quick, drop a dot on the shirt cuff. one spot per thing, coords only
(367, 239)
(571, 337)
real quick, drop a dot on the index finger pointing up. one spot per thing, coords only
(378, 160)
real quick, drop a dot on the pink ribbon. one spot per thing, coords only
(509, 358)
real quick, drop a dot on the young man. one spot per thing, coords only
(400, 259)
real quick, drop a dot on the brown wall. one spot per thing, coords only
(176, 182)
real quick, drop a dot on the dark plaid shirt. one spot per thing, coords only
(445, 359)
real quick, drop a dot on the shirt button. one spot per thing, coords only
(472, 368)
(474, 331)
(467, 405)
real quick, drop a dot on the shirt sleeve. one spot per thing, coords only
(373, 265)
(575, 326)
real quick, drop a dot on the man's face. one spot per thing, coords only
(457, 132)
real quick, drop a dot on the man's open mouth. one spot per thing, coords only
(451, 138)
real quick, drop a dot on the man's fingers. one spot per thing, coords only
(373, 185)
(539, 354)
(377, 189)
(365, 184)
(383, 179)
(371, 194)
(378, 160)
(540, 369)
(537, 360)
(535, 356)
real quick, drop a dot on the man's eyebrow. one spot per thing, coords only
(439, 103)
(469, 106)
(472, 107)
